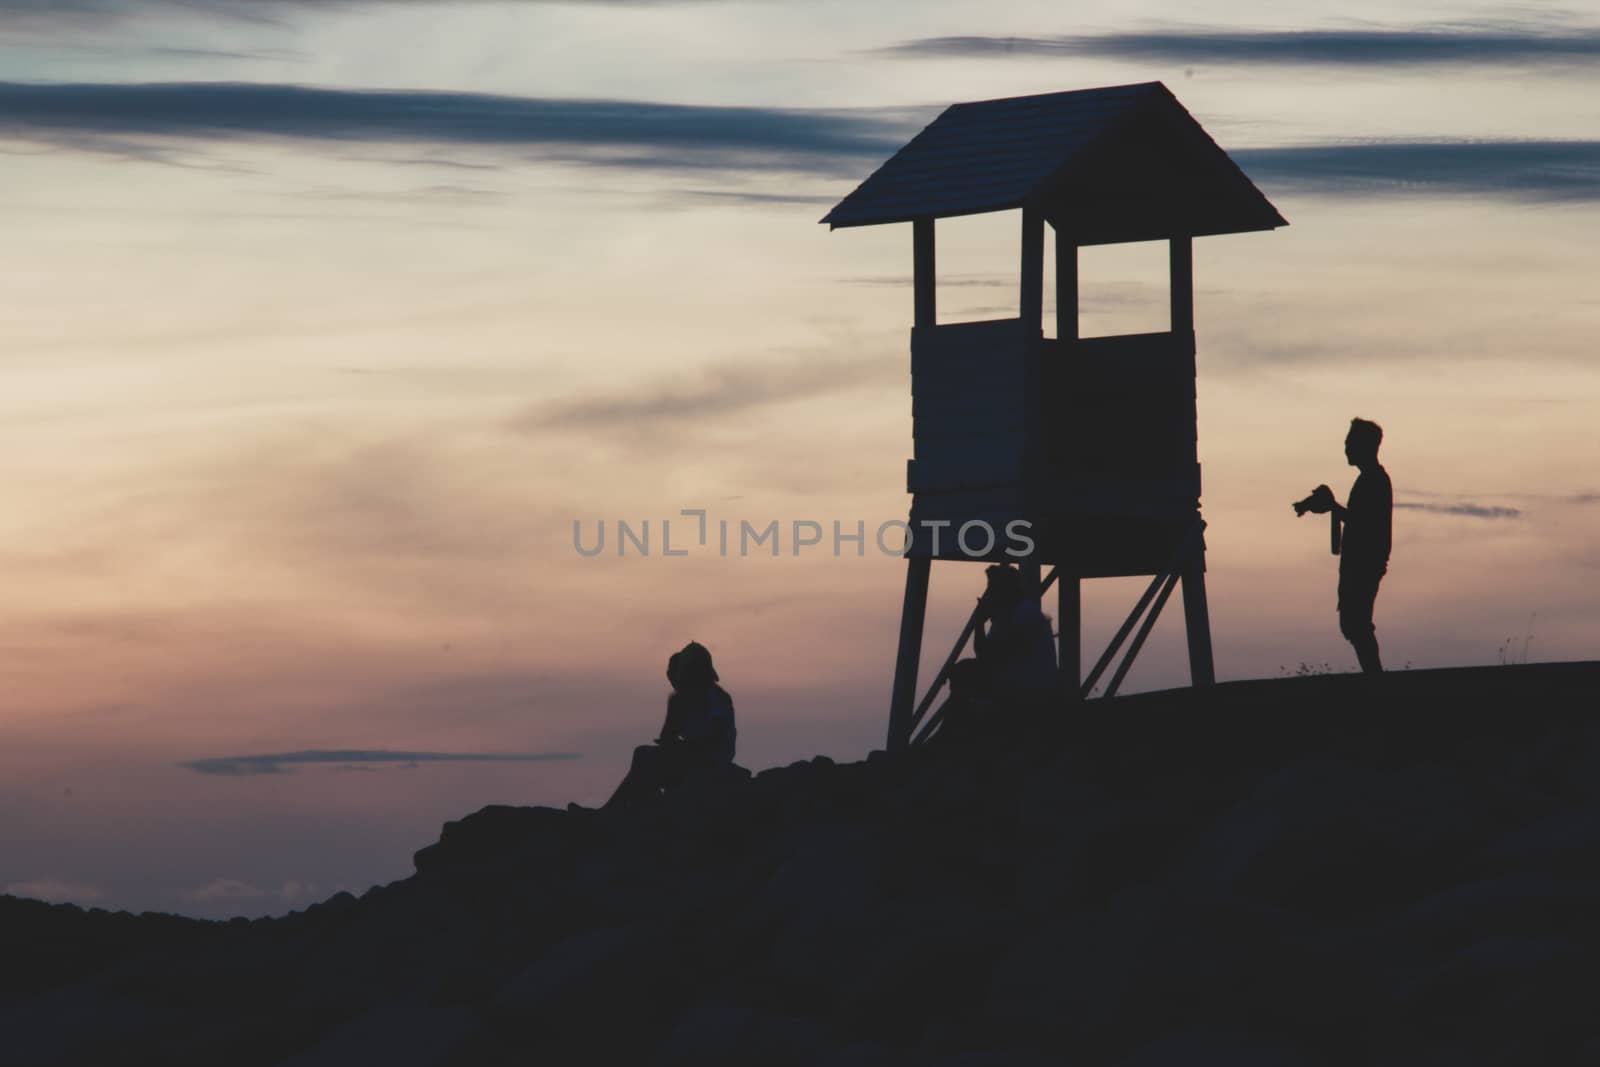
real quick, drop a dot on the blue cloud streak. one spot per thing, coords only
(1465, 44)
(1531, 170)
(609, 132)
(142, 120)
(1466, 510)
(273, 763)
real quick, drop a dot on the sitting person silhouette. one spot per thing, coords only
(1364, 543)
(698, 734)
(1014, 644)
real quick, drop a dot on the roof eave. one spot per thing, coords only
(885, 220)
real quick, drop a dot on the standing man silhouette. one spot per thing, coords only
(1368, 522)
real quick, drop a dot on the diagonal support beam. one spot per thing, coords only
(1139, 638)
(909, 654)
(1161, 584)
(1122, 635)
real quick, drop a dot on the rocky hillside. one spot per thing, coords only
(1318, 870)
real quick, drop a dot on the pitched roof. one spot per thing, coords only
(1125, 162)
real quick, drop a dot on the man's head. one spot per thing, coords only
(1004, 588)
(690, 667)
(1361, 443)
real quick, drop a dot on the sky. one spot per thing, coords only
(324, 323)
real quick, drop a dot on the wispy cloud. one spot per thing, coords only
(903, 281)
(752, 198)
(276, 762)
(718, 390)
(426, 194)
(1548, 171)
(252, 55)
(67, 15)
(226, 889)
(1466, 509)
(619, 133)
(1466, 43)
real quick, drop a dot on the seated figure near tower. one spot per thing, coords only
(1014, 644)
(697, 737)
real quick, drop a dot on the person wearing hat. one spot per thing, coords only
(697, 735)
(1015, 645)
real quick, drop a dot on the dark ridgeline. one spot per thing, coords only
(1361, 534)
(1091, 440)
(1303, 872)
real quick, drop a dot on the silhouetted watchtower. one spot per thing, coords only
(1092, 441)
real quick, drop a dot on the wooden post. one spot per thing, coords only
(1196, 613)
(1032, 271)
(1069, 594)
(909, 657)
(1032, 317)
(1182, 283)
(925, 293)
(1197, 620)
(1066, 287)
(902, 701)
(1069, 638)
(1182, 260)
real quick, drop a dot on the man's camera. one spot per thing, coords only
(1319, 502)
